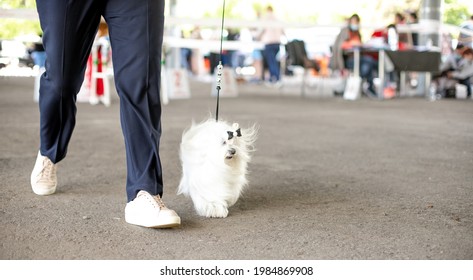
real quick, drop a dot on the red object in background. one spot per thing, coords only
(99, 84)
(403, 46)
(99, 88)
(381, 33)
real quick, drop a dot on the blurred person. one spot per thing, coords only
(257, 54)
(452, 61)
(232, 56)
(349, 38)
(196, 58)
(257, 64)
(464, 73)
(186, 53)
(271, 38)
(390, 37)
(215, 55)
(405, 38)
(399, 18)
(69, 29)
(454, 71)
(38, 54)
(396, 40)
(464, 38)
(412, 19)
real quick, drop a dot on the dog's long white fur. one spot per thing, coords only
(211, 175)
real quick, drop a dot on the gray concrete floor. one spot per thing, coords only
(331, 179)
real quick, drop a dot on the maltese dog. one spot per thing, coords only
(214, 157)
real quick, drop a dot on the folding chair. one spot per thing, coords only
(297, 56)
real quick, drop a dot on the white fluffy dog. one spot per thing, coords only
(214, 157)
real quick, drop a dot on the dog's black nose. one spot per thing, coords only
(232, 151)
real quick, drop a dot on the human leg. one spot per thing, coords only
(136, 33)
(367, 66)
(270, 53)
(136, 30)
(350, 63)
(68, 31)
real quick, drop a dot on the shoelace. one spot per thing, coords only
(158, 200)
(48, 169)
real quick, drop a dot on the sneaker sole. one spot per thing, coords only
(43, 191)
(165, 223)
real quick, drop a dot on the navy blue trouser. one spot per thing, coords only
(136, 34)
(270, 54)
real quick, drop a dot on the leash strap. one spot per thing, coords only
(220, 66)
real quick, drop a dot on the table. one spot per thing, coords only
(415, 61)
(403, 60)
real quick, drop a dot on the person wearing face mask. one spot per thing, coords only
(337, 61)
(452, 61)
(349, 38)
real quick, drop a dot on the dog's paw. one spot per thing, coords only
(213, 210)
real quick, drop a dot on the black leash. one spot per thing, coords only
(220, 67)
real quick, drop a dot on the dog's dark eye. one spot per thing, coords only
(224, 142)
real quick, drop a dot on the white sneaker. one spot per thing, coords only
(43, 177)
(149, 211)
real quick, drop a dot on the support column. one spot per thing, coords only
(430, 19)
